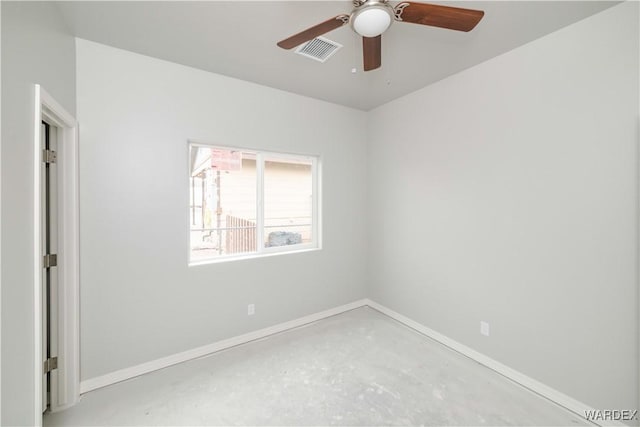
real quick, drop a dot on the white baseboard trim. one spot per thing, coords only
(537, 387)
(154, 365)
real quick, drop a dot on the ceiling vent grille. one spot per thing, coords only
(319, 49)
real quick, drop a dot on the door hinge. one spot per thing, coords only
(50, 260)
(49, 156)
(50, 364)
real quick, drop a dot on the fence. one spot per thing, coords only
(241, 235)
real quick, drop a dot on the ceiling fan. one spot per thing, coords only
(371, 18)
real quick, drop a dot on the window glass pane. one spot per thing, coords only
(288, 201)
(223, 202)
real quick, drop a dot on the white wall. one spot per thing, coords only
(139, 298)
(36, 48)
(508, 193)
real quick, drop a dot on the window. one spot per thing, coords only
(245, 202)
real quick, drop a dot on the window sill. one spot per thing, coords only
(253, 255)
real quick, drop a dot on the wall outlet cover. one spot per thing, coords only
(484, 328)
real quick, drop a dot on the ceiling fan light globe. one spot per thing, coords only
(371, 22)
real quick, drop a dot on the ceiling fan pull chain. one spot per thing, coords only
(397, 11)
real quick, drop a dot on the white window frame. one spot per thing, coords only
(261, 251)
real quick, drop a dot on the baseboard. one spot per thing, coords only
(154, 365)
(537, 387)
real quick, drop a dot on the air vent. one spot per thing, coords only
(319, 49)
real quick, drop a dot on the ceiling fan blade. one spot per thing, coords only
(313, 32)
(372, 52)
(452, 18)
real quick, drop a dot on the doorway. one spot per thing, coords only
(56, 257)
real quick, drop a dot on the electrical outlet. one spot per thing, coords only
(484, 328)
(251, 309)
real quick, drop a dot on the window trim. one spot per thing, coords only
(261, 251)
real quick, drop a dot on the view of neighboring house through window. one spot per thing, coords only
(246, 202)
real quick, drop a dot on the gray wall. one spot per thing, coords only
(508, 193)
(139, 298)
(36, 48)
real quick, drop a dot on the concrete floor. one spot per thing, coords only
(357, 368)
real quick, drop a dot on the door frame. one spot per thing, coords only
(66, 378)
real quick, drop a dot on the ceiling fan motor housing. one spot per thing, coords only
(372, 18)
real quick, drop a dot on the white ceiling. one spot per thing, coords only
(238, 39)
